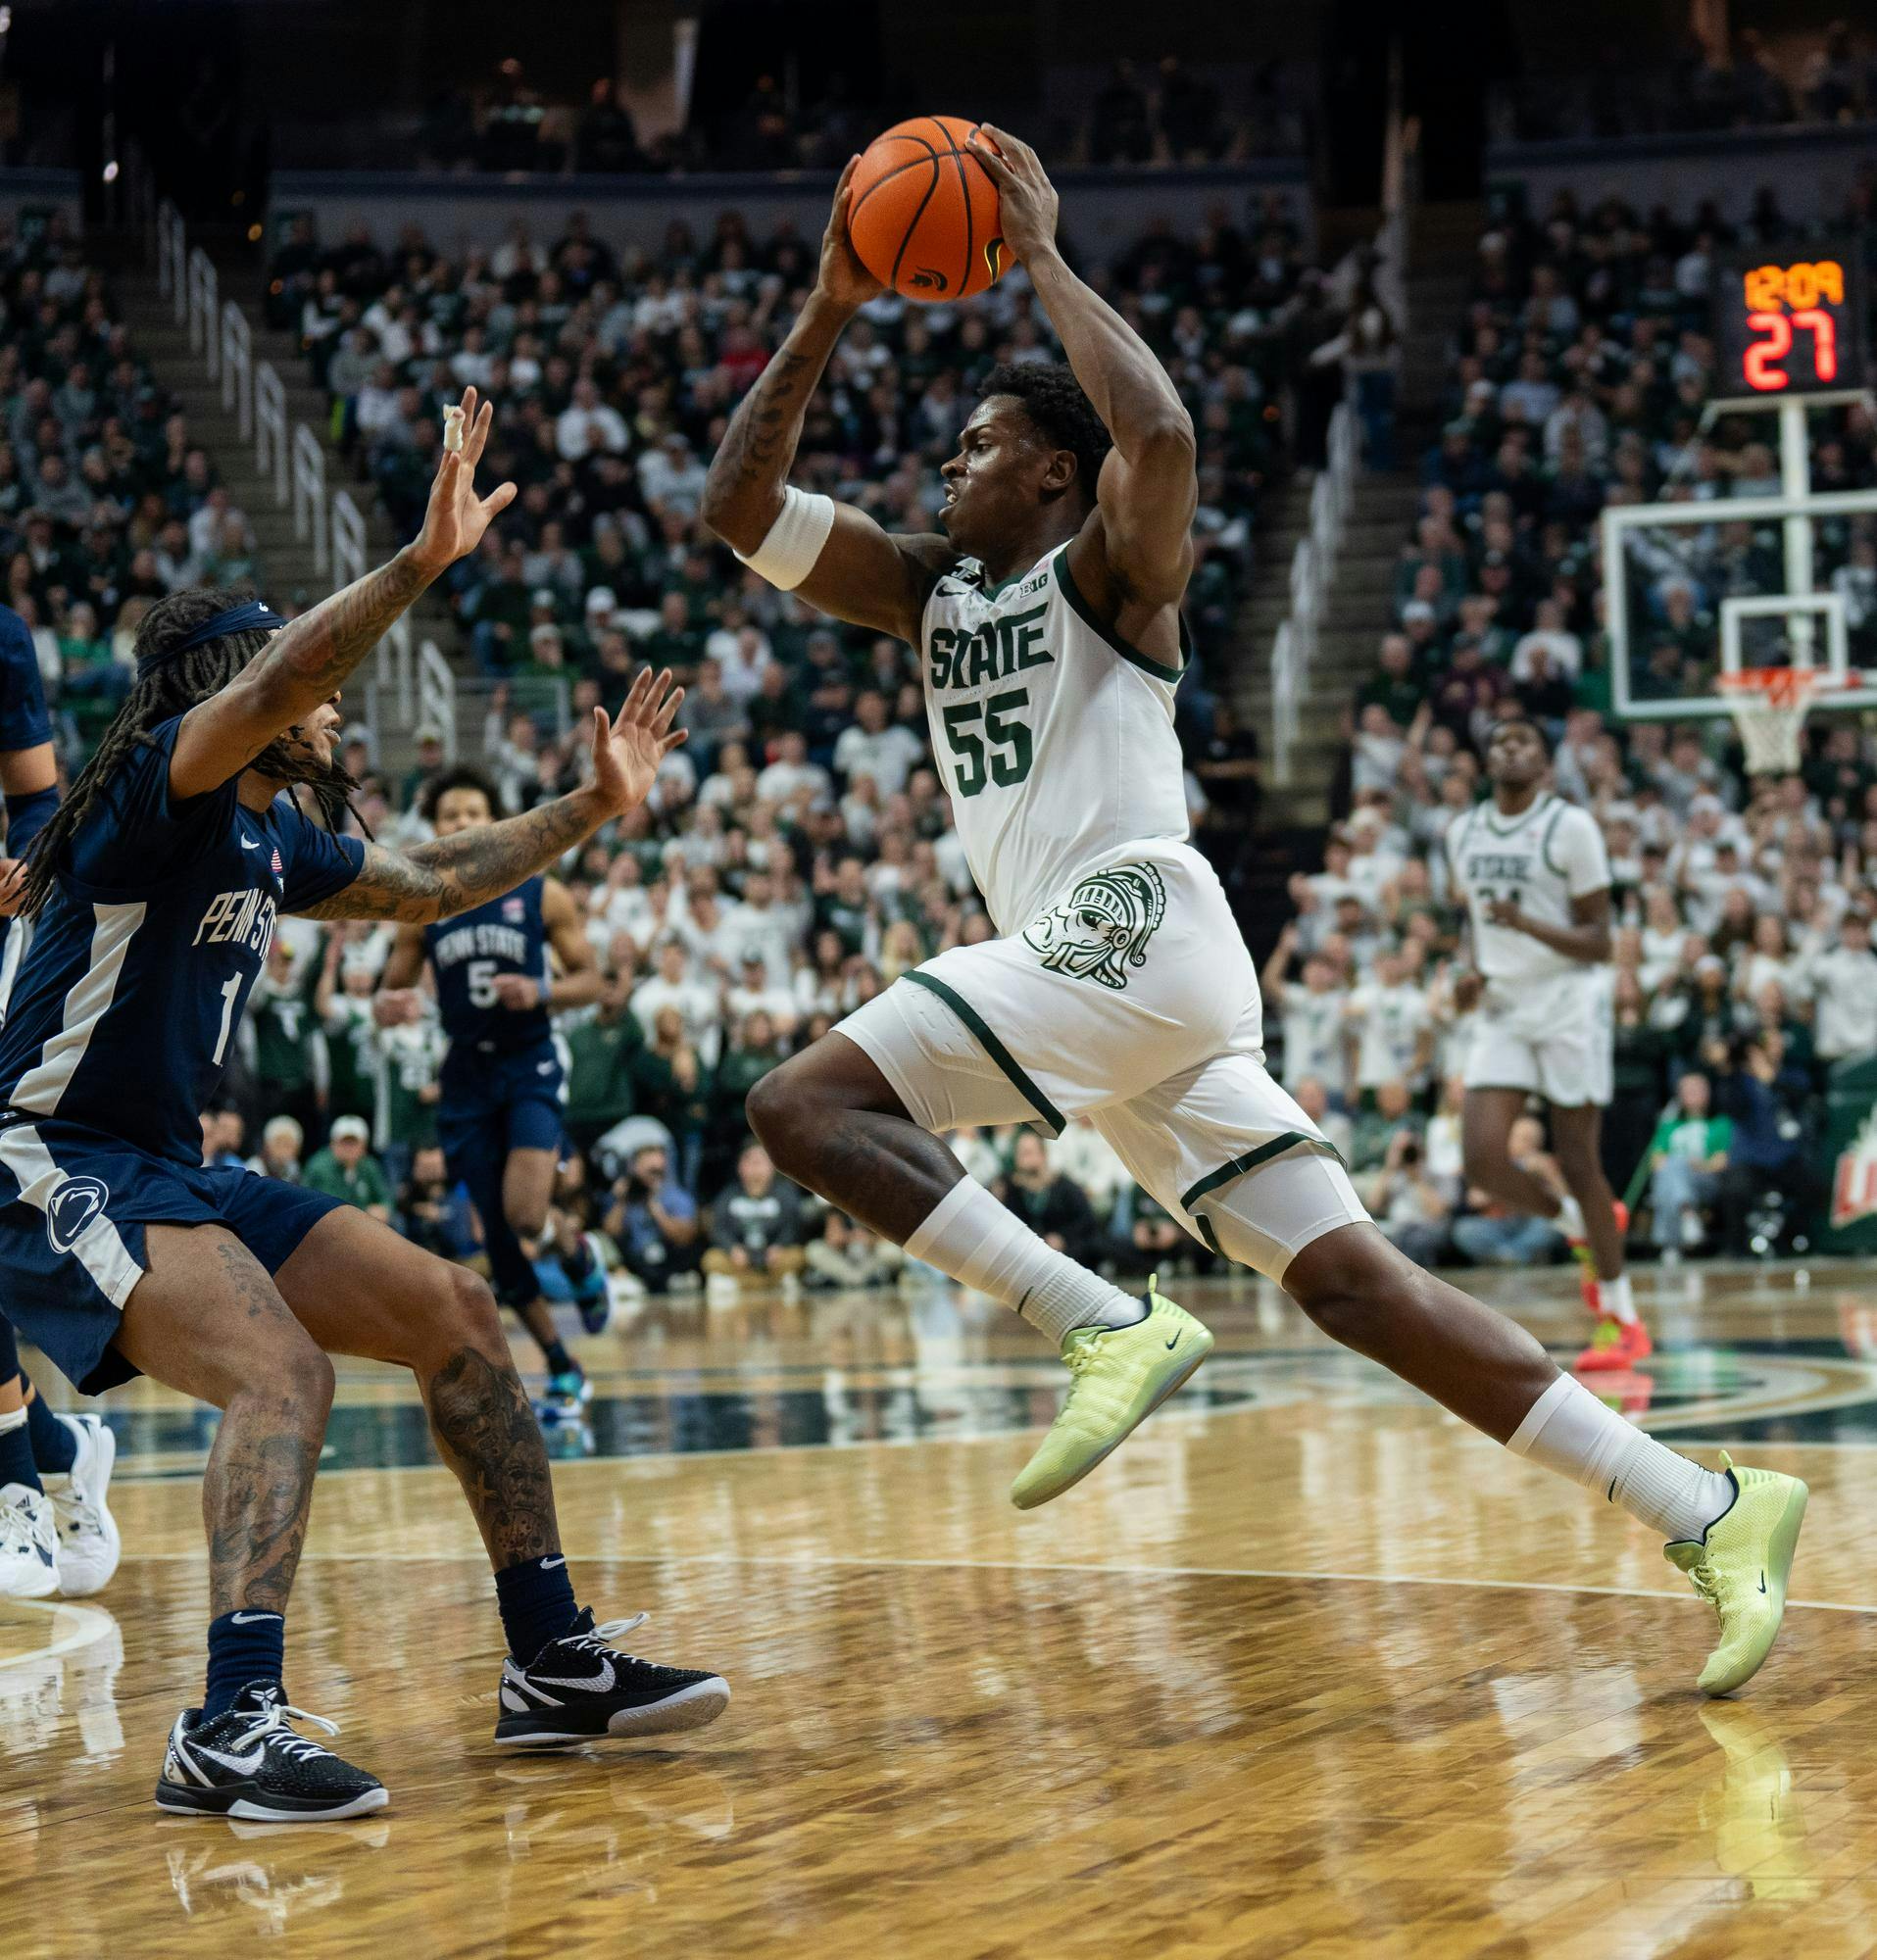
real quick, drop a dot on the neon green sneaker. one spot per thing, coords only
(1740, 1566)
(1120, 1376)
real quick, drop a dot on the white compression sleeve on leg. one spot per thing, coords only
(986, 1247)
(1569, 1431)
(787, 555)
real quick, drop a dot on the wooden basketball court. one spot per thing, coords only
(1307, 1669)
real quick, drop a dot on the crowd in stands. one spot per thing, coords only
(1743, 907)
(1748, 84)
(106, 501)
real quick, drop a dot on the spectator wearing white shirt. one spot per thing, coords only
(753, 992)
(696, 1001)
(1393, 1025)
(873, 745)
(1564, 648)
(792, 772)
(1844, 989)
(589, 426)
(671, 478)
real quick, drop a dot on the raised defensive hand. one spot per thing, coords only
(627, 753)
(456, 517)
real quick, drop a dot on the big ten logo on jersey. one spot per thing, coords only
(246, 917)
(964, 656)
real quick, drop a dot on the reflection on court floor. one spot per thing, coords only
(1308, 1666)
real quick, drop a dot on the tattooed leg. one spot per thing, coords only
(205, 1319)
(359, 1288)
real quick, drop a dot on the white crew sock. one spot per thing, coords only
(1570, 1216)
(1569, 1431)
(1616, 1298)
(986, 1247)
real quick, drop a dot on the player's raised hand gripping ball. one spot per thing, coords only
(923, 210)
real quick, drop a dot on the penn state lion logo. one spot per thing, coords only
(1102, 928)
(72, 1208)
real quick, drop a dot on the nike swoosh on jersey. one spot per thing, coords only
(594, 1684)
(544, 1069)
(250, 844)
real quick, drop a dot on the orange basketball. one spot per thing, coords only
(922, 211)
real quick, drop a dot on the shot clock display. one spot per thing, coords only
(1791, 327)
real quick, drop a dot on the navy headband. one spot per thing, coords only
(251, 616)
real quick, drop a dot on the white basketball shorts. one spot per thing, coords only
(1550, 1040)
(1131, 999)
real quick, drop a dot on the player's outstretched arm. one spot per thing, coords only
(308, 661)
(1149, 487)
(860, 572)
(451, 874)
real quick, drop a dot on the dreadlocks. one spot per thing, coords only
(169, 689)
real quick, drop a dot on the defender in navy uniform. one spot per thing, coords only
(499, 1120)
(57, 1533)
(154, 891)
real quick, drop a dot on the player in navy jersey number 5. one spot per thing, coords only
(153, 892)
(500, 1117)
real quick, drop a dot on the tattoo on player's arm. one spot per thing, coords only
(757, 444)
(321, 648)
(450, 875)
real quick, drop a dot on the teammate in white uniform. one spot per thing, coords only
(1046, 615)
(1535, 877)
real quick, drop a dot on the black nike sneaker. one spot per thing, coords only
(580, 1687)
(248, 1762)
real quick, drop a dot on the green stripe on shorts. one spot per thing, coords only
(1289, 1140)
(1046, 1110)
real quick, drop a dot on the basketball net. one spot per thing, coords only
(1769, 707)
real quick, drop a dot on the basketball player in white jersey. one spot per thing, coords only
(1535, 876)
(1046, 615)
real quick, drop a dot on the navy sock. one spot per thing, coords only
(54, 1447)
(243, 1646)
(15, 1452)
(559, 1362)
(537, 1598)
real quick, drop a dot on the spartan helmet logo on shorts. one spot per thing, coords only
(1102, 928)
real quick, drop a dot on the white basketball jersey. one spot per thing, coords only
(1054, 737)
(1542, 858)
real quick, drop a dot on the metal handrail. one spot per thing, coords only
(422, 680)
(308, 494)
(205, 306)
(348, 539)
(271, 428)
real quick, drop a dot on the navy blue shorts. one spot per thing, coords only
(495, 1103)
(73, 1203)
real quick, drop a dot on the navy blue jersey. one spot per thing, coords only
(468, 951)
(24, 721)
(125, 1005)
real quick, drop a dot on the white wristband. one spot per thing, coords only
(787, 555)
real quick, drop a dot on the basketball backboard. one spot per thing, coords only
(1702, 588)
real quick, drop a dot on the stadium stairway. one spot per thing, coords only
(1443, 242)
(287, 568)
